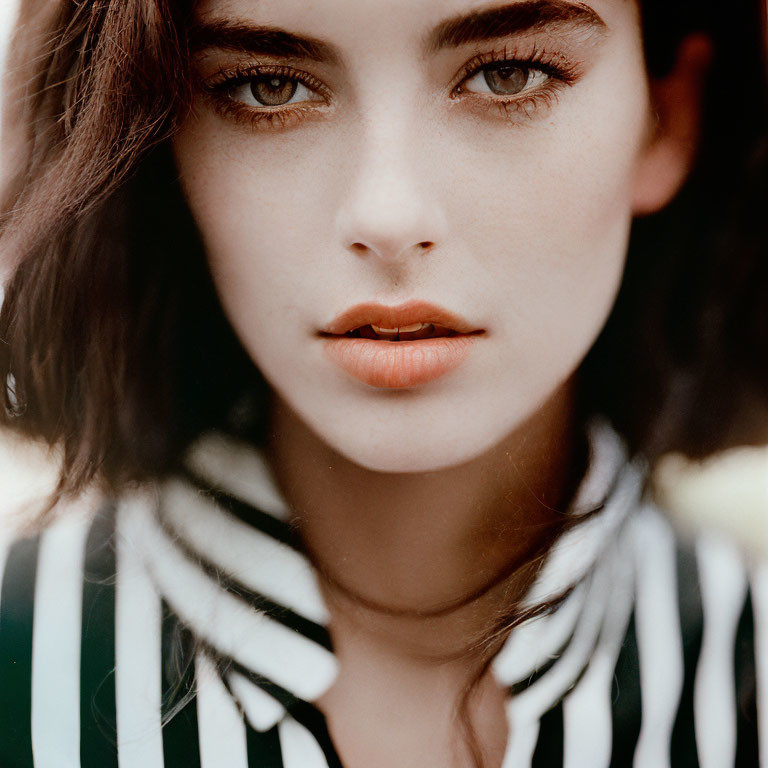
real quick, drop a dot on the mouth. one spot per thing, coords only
(398, 347)
(410, 321)
(412, 332)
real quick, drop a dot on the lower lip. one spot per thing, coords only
(398, 364)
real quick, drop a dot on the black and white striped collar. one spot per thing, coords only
(220, 548)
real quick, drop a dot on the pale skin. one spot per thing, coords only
(414, 499)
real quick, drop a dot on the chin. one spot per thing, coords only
(412, 431)
(410, 443)
(395, 459)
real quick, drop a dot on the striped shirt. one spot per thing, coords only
(184, 626)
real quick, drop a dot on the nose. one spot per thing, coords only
(391, 210)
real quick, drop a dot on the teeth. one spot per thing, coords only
(402, 329)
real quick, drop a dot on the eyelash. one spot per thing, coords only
(560, 72)
(220, 87)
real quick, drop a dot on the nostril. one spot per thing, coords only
(363, 248)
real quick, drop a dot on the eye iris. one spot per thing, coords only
(506, 80)
(273, 90)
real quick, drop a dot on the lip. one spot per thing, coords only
(391, 317)
(398, 364)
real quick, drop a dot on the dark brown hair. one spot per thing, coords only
(112, 341)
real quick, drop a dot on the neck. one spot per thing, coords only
(408, 557)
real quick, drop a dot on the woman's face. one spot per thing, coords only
(481, 157)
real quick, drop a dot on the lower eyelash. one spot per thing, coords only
(259, 118)
(527, 104)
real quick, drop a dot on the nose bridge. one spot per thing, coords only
(391, 205)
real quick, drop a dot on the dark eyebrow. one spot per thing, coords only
(240, 36)
(513, 19)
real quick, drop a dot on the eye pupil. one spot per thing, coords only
(507, 80)
(273, 90)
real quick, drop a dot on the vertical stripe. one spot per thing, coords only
(745, 676)
(264, 748)
(56, 645)
(544, 691)
(16, 628)
(98, 719)
(587, 713)
(549, 748)
(723, 590)
(222, 730)
(760, 603)
(525, 708)
(137, 651)
(683, 752)
(523, 735)
(660, 645)
(627, 701)
(300, 748)
(587, 708)
(180, 732)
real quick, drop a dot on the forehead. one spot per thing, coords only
(347, 23)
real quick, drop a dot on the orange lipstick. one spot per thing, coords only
(398, 347)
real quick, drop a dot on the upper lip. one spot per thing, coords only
(371, 313)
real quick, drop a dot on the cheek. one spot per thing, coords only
(549, 214)
(259, 209)
(243, 194)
